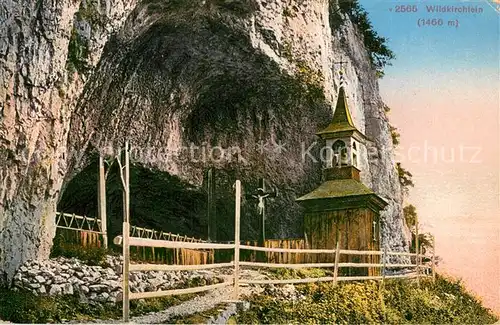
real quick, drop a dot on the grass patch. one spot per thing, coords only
(145, 306)
(401, 301)
(90, 255)
(285, 274)
(24, 307)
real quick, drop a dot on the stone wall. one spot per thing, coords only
(101, 284)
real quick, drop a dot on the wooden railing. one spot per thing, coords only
(90, 232)
(126, 241)
(81, 230)
(160, 235)
(72, 221)
(181, 256)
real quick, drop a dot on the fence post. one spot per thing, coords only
(384, 261)
(418, 267)
(237, 239)
(423, 271)
(126, 234)
(417, 251)
(433, 258)
(337, 257)
(102, 202)
(126, 263)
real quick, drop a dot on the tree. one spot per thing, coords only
(405, 179)
(395, 135)
(424, 239)
(410, 214)
(380, 54)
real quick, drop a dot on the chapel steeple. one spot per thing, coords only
(342, 210)
(342, 120)
(341, 137)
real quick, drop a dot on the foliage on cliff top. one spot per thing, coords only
(443, 302)
(380, 54)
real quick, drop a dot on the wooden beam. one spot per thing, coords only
(164, 267)
(324, 279)
(401, 265)
(409, 275)
(288, 250)
(288, 281)
(337, 256)
(417, 250)
(126, 234)
(401, 254)
(101, 198)
(261, 257)
(146, 242)
(81, 230)
(211, 216)
(237, 214)
(350, 264)
(359, 278)
(157, 294)
(384, 265)
(125, 275)
(354, 252)
(433, 258)
(287, 265)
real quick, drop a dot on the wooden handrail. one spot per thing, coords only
(288, 250)
(288, 281)
(144, 242)
(164, 293)
(165, 267)
(287, 265)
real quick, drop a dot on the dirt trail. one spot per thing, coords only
(203, 302)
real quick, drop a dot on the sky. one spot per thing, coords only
(443, 91)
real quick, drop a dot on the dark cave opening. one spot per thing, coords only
(161, 201)
(158, 200)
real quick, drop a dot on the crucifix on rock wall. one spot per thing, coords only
(261, 196)
(341, 63)
(341, 70)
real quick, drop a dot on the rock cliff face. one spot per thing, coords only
(178, 78)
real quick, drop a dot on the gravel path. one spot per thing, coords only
(201, 303)
(195, 305)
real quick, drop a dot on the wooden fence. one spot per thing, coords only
(126, 242)
(279, 257)
(81, 230)
(88, 232)
(178, 256)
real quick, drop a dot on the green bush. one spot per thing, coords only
(24, 307)
(88, 255)
(283, 273)
(400, 301)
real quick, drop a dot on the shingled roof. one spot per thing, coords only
(342, 120)
(342, 194)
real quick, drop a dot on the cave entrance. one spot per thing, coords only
(158, 200)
